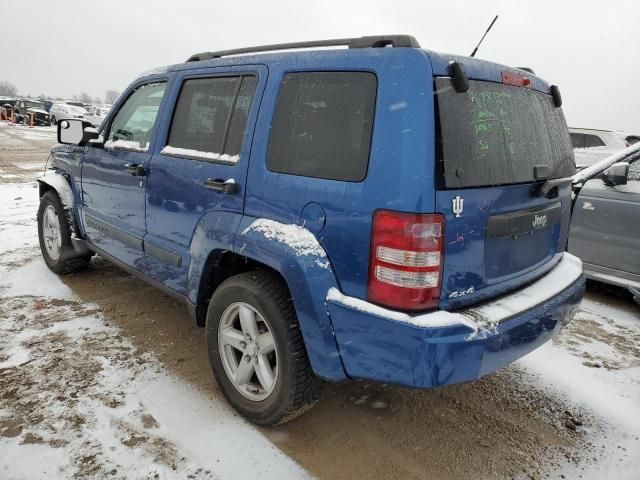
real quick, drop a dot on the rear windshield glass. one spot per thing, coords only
(496, 134)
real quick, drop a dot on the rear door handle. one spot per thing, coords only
(135, 169)
(221, 186)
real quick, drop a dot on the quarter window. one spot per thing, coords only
(322, 125)
(210, 118)
(132, 126)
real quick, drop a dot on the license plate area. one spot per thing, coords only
(522, 222)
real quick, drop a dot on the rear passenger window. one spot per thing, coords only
(239, 117)
(210, 118)
(322, 125)
(592, 141)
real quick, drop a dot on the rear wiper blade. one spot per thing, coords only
(543, 172)
(547, 187)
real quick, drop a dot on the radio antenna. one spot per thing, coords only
(473, 54)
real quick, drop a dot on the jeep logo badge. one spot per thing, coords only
(539, 221)
(457, 204)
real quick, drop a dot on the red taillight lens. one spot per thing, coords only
(509, 78)
(406, 260)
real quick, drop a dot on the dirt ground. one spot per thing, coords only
(501, 426)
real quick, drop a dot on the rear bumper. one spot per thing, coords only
(441, 348)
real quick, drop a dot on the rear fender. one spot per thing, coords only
(215, 231)
(295, 253)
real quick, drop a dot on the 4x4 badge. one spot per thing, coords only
(457, 204)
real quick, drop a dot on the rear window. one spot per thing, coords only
(496, 134)
(322, 125)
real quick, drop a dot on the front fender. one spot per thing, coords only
(56, 180)
(295, 253)
(61, 183)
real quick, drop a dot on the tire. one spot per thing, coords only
(295, 388)
(53, 120)
(66, 260)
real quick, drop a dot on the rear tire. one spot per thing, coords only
(263, 297)
(54, 233)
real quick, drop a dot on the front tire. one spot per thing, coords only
(55, 236)
(256, 349)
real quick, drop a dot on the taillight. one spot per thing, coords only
(405, 265)
(510, 78)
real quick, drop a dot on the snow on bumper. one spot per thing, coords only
(440, 348)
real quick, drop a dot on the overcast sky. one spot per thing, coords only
(589, 48)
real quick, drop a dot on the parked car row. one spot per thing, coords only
(92, 113)
(24, 110)
(46, 113)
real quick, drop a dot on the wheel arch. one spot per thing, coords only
(307, 278)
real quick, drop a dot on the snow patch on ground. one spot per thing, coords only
(78, 400)
(595, 362)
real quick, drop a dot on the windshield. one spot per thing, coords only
(496, 134)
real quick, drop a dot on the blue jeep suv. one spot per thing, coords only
(377, 211)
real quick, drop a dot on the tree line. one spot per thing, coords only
(8, 89)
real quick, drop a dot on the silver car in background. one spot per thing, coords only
(591, 145)
(605, 227)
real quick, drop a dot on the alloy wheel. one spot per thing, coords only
(51, 233)
(248, 351)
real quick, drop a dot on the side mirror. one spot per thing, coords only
(616, 174)
(76, 132)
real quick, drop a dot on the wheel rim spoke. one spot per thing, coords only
(233, 337)
(52, 217)
(248, 321)
(266, 343)
(244, 372)
(265, 373)
(51, 232)
(248, 351)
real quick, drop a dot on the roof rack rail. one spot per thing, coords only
(374, 41)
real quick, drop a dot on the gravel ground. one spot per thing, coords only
(81, 364)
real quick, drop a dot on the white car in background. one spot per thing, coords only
(591, 145)
(96, 114)
(62, 111)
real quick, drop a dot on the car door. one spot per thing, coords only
(605, 229)
(114, 177)
(198, 170)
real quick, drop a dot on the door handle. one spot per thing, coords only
(135, 169)
(221, 186)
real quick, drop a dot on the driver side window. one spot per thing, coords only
(132, 126)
